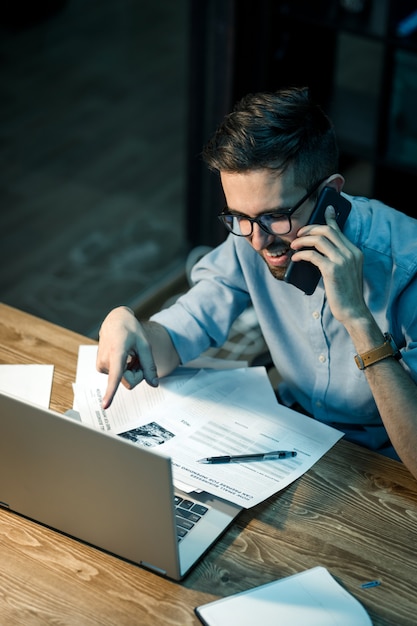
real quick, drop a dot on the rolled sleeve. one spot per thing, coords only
(202, 318)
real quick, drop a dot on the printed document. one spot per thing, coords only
(195, 414)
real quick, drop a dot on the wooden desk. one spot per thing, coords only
(354, 512)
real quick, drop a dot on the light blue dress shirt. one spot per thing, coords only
(311, 350)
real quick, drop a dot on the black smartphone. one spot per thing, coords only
(303, 274)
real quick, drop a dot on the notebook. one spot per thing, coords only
(310, 598)
(103, 490)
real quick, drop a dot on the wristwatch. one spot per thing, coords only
(387, 349)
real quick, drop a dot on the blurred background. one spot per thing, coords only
(106, 104)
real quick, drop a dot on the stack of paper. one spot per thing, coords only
(198, 413)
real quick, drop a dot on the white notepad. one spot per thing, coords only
(311, 598)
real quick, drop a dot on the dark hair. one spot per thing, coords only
(273, 131)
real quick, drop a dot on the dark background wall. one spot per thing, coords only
(92, 154)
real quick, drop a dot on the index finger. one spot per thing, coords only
(330, 215)
(115, 375)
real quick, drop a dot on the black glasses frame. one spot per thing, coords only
(225, 216)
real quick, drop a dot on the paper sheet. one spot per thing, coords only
(200, 413)
(32, 383)
(311, 598)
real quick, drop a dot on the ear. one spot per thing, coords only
(336, 181)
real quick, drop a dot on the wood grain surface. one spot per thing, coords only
(354, 512)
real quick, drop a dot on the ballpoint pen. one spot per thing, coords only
(241, 458)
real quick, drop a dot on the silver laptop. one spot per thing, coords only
(104, 490)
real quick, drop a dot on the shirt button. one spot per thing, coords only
(318, 404)
(322, 358)
(316, 315)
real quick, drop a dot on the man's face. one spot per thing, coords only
(257, 192)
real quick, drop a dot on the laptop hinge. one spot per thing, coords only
(157, 570)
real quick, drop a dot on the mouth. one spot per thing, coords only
(277, 258)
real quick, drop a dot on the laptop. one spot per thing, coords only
(104, 490)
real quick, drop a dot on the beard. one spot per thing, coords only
(277, 272)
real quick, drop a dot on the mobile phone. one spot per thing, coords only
(303, 274)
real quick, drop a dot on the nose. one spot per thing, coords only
(259, 238)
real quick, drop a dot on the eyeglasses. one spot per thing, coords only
(278, 223)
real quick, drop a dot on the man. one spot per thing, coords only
(275, 153)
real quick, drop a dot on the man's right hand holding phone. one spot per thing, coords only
(305, 275)
(340, 264)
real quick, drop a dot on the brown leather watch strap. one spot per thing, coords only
(376, 354)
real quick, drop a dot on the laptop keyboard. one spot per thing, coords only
(188, 514)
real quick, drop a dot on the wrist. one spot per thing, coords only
(364, 332)
(385, 350)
